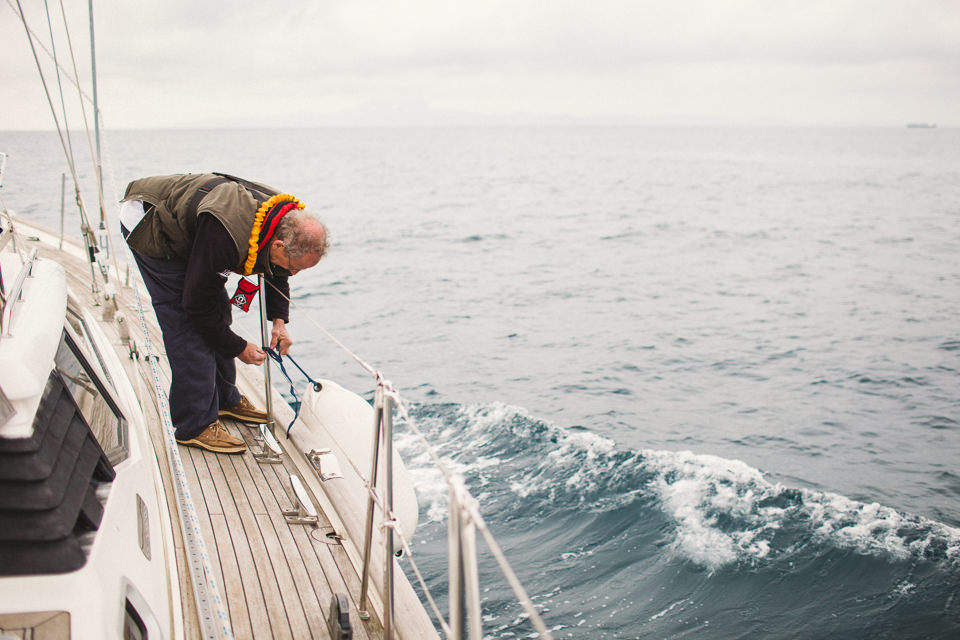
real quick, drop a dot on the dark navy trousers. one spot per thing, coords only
(202, 381)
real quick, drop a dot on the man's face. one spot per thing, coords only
(283, 265)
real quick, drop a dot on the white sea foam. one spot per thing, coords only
(723, 510)
(698, 490)
(429, 479)
(667, 610)
(695, 490)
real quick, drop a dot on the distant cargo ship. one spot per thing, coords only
(921, 125)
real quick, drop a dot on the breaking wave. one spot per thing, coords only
(721, 511)
(568, 501)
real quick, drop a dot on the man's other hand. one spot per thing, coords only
(252, 354)
(279, 340)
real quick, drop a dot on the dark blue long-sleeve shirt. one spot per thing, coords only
(214, 254)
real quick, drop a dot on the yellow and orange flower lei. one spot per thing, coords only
(258, 222)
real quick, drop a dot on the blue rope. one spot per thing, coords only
(278, 358)
(316, 385)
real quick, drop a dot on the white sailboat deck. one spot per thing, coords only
(277, 579)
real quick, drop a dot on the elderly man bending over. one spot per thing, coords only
(187, 233)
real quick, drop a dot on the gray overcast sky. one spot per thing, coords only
(191, 63)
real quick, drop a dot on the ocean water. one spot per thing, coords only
(703, 382)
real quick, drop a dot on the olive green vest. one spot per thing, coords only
(169, 227)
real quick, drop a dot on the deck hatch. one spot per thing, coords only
(48, 488)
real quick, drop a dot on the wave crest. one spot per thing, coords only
(719, 511)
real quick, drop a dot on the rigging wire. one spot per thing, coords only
(107, 237)
(53, 46)
(64, 135)
(94, 154)
(73, 80)
(53, 112)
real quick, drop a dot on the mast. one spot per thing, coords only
(96, 126)
(96, 104)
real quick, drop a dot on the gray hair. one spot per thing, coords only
(303, 233)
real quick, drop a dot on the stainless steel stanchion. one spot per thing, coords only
(368, 536)
(388, 516)
(265, 337)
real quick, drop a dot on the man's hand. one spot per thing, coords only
(279, 340)
(252, 354)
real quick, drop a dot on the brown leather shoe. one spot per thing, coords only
(215, 438)
(244, 411)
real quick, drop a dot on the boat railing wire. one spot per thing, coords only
(463, 524)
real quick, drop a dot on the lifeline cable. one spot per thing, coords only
(452, 479)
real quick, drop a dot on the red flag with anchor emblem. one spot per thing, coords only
(244, 295)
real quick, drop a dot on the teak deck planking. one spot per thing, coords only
(277, 579)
